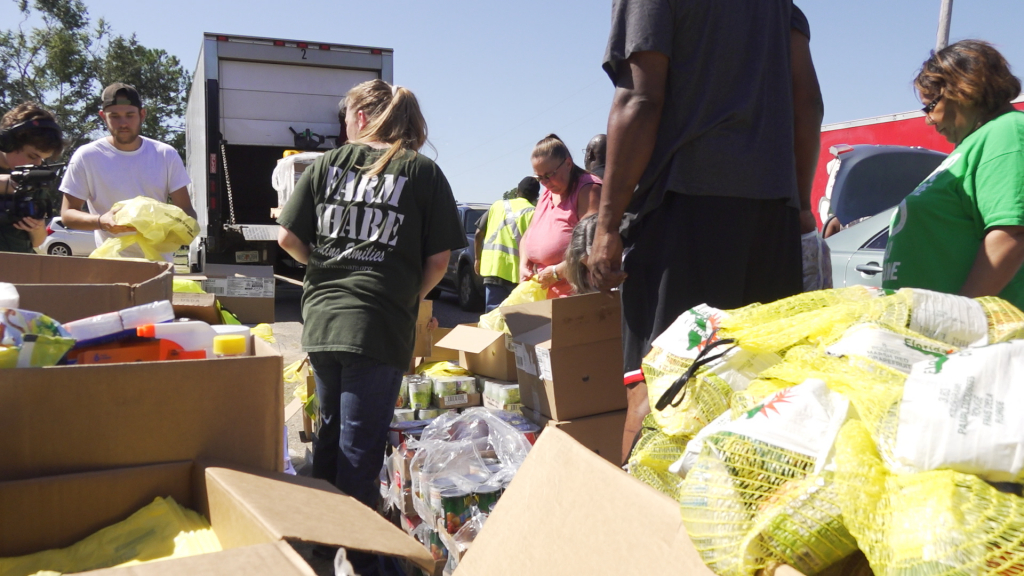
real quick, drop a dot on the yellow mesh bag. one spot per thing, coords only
(929, 523)
(651, 458)
(1005, 321)
(747, 504)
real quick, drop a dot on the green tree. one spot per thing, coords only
(58, 57)
(511, 194)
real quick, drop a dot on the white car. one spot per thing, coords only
(61, 241)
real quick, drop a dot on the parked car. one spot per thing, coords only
(858, 252)
(461, 278)
(62, 241)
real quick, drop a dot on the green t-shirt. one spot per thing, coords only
(370, 237)
(935, 234)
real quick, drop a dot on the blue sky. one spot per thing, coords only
(495, 77)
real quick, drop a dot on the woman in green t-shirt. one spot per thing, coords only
(962, 230)
(374, 221)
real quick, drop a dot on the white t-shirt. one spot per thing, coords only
(102, 175)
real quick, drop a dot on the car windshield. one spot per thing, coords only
(471, 217)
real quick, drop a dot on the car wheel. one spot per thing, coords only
(470, 298)
(58, 249)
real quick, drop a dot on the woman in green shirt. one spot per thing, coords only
(374, 221)
(962, 230)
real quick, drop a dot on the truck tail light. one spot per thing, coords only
(840, 149)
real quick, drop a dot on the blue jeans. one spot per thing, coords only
(357, 401)
(494, 295)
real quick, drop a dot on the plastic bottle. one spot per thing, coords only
(191, 336)
(235, 329)
(229, 345)
(8, 295)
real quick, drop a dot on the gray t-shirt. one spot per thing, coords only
(727, 124)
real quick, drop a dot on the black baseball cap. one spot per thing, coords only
(120, 93)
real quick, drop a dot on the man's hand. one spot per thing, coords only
(432, 324)
(807, 222)
(605, 261)
(107, 223)
(476, 266)
(30, 224)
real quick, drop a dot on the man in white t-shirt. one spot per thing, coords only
(120, 167)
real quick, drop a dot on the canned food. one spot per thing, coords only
(445, 386)
(455, 507)
(465, 385)
(427, 413)
(420, 392)
(403, 393)
(404, 415)
(434, 490)
(437, 549)
(486, 497)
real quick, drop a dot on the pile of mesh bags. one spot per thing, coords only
(802, 431)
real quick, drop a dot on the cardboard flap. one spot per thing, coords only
(536, 336)
(289, 510)
(568, 511)
(524, 318)
(276, 559)
(469, 339)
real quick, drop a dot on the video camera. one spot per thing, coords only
(34, 193)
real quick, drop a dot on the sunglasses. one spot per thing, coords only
(931, 105)
(550, 175)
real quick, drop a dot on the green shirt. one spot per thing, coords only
(370, 237)
(935, 234)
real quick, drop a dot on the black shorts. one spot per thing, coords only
(721, 251)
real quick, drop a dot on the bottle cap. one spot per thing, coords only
(146, 331)
(229, 345)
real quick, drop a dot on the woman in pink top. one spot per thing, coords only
(569, 194)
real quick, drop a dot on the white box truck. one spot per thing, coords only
(251, 100)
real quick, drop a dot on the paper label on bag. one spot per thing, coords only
(886, 347)
(959, 413)
(956, 320)
(544, 363)
(691, 332)
(804, 419)
(523, 360)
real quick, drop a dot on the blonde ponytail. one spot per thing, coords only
(394, 118)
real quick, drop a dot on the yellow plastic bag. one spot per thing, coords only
(442, 369)
(159, 531)
(186, 286)
(265, 332)
(160, 228)
(524, 293)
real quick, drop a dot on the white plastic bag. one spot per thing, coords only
(960, 413)
(284, 178)
(817, 262)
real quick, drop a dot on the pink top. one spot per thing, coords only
(550, 232)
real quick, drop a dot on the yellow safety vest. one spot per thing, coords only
(506, 223)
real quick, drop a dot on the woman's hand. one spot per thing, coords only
(548, 276)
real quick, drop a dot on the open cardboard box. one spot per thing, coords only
(68, 288)
(439, 353)
(569, 355)
(252, 513)
(247, 291)
(482, 351)
(422, 346)
(65, 419)
(601, 433)
(568, 511)
(196, 307)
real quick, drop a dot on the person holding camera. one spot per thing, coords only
(119, 167)
(29, 135)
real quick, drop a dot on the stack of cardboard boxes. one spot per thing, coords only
(85, 446)
(568, 355)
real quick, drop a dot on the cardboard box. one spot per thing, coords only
(398, 465)
(568, 511)
(253, 514)
(246, 291)
(459, 401)
(196, 307)
(569, 355)
(66, 419)
(482, 351)
(69, 289)
(439, 353)
(423, 344)
(601, 433)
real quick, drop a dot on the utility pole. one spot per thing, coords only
(945, 14)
